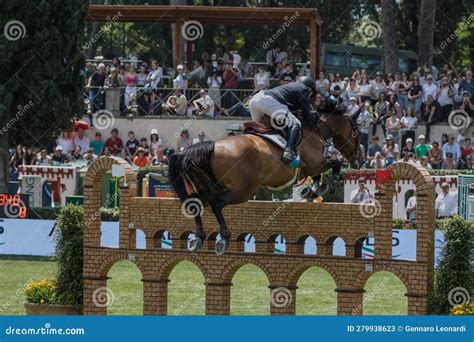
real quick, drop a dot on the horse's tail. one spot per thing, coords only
(176, 176)
(194, 165)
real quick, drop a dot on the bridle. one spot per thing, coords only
(355, 132)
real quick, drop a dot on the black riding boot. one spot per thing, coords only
(290, 153)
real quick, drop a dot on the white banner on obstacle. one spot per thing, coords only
(33, 237)
(403, 186)
(31, 185)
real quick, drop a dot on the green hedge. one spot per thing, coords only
(69, 255)
(106, 214)
(454, 265)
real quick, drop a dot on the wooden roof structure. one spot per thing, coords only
(178, 15)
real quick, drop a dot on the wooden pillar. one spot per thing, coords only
(155, 296)
(189, 54)
(218, 298)
(282, 300)
(350, 301)
(178, 43)
(314, 47)
(318, 46)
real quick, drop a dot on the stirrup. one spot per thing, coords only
(292, 161)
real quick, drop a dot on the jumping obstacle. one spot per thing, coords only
(296, 221)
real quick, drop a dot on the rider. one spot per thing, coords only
(279, 103)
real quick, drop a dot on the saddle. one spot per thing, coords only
(263, 127)
(278, 137)
(265, 130)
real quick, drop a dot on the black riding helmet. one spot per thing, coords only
(308, 82)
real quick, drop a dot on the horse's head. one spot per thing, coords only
(345, 133)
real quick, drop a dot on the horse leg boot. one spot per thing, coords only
(223, 243)
(199, 235)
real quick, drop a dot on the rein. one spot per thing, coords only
(354, 131)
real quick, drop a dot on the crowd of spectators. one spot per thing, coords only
(75, 148)
(148, 87)
(397, 103)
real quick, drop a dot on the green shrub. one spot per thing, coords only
(454, 266)
(107, 214)
(69, 254)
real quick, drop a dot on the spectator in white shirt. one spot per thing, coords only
(353, 107)
(361, 194)
(424, 162)
(275, 56)
(411, 208)
(153, 78)
(181, 79)
(204, 106)
(446, 203)
(81, 140)
(429, 88)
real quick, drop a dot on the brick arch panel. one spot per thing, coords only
(232, 268)
(319, 220)
(363, 277)
(108, 262)
(103, 164)
(169, 264)
(297, 272)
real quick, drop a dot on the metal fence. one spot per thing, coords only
(224, 99)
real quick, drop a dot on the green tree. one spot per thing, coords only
(40, 62)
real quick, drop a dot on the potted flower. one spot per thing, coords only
(63, 295)
(41, 300)
(463, 309)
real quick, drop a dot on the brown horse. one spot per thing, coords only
(230, 170)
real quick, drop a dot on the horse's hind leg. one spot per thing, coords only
(223, 243)
(199, 235)
(217, 205)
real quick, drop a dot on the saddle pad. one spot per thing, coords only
(276, 139)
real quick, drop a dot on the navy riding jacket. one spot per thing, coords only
(295, 95)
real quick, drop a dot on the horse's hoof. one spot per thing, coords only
(195, 244)
(306, 193)
(221, 246)
(321, 190)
